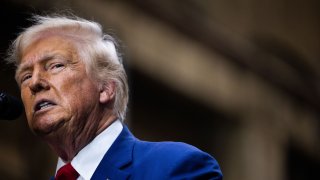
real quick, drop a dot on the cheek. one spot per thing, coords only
(79, 92)
(27, 101)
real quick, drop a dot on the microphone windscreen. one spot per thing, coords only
(10, 107)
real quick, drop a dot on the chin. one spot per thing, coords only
(44, 127)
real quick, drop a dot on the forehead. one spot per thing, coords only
(45, 45)
(43, 48)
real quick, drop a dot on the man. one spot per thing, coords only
(75, 92)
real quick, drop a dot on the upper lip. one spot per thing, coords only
(38, 103)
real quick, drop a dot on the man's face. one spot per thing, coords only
(57, 93)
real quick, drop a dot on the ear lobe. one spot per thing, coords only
(107, 92)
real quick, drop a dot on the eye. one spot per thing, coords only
(25, 77)
(56, 67)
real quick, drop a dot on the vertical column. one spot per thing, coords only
(253, 151)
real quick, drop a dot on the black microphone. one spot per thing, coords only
(10, 107)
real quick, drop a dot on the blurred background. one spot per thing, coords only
(236, 78)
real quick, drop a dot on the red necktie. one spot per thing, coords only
(67, 172)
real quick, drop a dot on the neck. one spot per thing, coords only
(67, 145)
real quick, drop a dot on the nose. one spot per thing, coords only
(38, 83)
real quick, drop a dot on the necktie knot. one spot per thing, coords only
(67, 172)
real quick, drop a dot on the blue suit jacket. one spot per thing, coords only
(130, 158)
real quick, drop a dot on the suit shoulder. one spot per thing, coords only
(174, 150)
(166, 148)
(178, 159)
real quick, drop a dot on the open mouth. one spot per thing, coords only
(44, 104)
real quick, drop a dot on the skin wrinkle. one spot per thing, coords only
(83, 106)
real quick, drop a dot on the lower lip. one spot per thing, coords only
(40, 111)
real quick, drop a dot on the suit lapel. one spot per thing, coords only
(114, 164)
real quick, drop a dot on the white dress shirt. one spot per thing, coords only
(88, 159)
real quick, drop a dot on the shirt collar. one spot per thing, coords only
(88, 159)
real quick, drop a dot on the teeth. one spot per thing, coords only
(43, 105)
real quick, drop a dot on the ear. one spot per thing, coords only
(107, 92)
